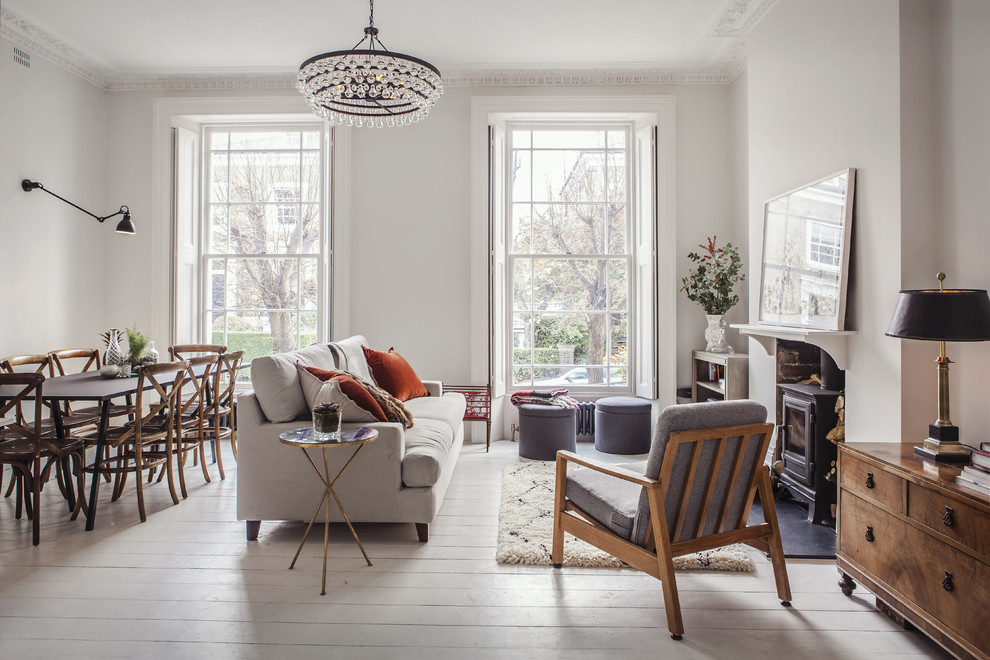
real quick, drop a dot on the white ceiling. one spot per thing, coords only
(118, 39)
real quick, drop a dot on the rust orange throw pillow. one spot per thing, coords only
(394, 375)
(351, 389)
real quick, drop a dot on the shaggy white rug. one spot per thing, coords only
(525, 529)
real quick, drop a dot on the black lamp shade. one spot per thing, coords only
(125, 226)
(949, 315)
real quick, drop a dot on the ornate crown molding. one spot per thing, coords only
(30, 37)
(738, 19)
(740, 16)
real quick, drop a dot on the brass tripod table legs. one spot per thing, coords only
(302, 439)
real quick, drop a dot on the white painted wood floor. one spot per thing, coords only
(186, 584)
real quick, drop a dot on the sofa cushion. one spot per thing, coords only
(427, 446)
(394, 375)
(356, 404)
(276, 381)
(349, 356)
(448, 408)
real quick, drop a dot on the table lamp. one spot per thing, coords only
(942, 315)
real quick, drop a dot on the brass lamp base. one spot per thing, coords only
(943, 445)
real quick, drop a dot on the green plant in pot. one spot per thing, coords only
(711, 285)
(326, 420)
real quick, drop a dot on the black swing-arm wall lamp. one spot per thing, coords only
(125, 226)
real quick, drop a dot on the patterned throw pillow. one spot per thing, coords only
(356, 404)
(394, 375)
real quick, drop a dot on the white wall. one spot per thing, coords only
(963, 173)
(824, 95)
(409, 221)
(53, 129)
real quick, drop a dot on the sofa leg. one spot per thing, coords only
(253, 527)
(423, 531)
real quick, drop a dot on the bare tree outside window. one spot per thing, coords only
(264, 238)
(569, 257)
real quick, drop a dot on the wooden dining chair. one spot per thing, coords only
(185, 351)
(147, 442)
(60, 364)
(223, 424)
(191, 416)
(43, 364)
(693, 493)
(24, 448)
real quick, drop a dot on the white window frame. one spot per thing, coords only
(178, 113)
(562, 124)
(657, 110)
(322, 258)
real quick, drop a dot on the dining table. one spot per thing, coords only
(92, 387)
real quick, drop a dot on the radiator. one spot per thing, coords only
(586, 418)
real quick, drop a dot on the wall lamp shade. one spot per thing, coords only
(942, 315)
(125, 226)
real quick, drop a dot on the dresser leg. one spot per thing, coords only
(846, 584)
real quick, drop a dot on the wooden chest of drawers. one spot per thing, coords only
(917, 541)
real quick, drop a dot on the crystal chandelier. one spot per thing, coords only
(369, 87)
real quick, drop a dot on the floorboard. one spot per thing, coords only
(186, 584)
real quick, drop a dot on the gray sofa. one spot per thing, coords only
(402, 476)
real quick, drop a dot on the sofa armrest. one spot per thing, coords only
(434, 387)
(249, 410)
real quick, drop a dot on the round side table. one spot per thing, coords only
(305, 438)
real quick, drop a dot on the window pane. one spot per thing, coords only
(312, 139)
(521, 229)
(616, 139)
(218, 178)
(616, 228)
(309, 285)
(522, 284)
(618, 284)
(522, 376)
(568, 229)
(569, 284)
(522, 337)
(219, 139)
(570, 176)
(310, 176)
(522, 170)
(254, 176)
(616, 175)
(521, 139)
(218, 229)
(568, 139)
(262, 284)
(265, 140)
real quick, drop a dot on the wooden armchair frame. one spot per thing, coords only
(656, 555)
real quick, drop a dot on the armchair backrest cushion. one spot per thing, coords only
(687, 417)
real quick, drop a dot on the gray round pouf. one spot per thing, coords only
(545, 429)
(622, 425)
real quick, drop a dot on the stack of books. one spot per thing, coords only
(976, 475)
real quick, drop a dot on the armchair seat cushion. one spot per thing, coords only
(610, 501)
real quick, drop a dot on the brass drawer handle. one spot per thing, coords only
(947, 518)
(869, 480)
(947, 581)
(869, 534)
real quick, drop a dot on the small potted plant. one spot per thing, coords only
(710, 285)
(326, 420)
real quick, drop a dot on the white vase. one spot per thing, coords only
(715, 334)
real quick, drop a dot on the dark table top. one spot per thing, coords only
(88, 386)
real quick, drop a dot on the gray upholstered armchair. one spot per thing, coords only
(693, 493)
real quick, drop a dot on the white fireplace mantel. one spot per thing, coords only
(833, 342)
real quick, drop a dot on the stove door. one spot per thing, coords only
(798, 438)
